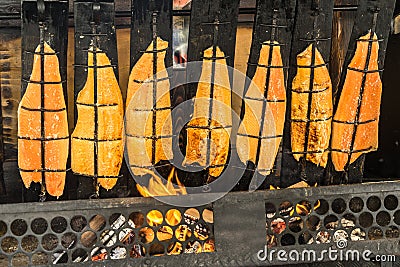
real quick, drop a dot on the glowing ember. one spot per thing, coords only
(157, 188)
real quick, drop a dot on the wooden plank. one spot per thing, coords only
(10, 44)
(55, 34)
(141, 29)
(201, 34)
(309, 12)
(341, 30)
(10, 88)
(212, 23)
(269, 12)
(151, 19)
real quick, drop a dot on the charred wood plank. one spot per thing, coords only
(277, 16)
(367, 10)
(313, 20)
(84, 15)
(55, 18)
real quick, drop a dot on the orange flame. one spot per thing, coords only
(157, 188)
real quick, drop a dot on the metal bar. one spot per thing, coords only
(154, 112)
(153, 51)
(355, 122)
(312, 66)
(96, 140)
(42, 82)
(303, 174)
(43, 109)
(151, 109)
(95, 107)
(95, 67)
(364, 71)
(42, 171)
(263, 99)
(152, 80)
(44, 53)
(43, 138)
(266, 66)
(98, 176)
(312, 120)
(354, 150)
(214, 58)
(310, 92)
(208, 127)
(153, 137)
(260, 137)
(211, 100)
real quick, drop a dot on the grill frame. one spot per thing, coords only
(239, 223)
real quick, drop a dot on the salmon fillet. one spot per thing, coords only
(109, 124)
(56, 136)
(199, 129)
(272, 111)
(313, 136)
(142, 105)
(357, 97)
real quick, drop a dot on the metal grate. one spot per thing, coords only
(69, 236)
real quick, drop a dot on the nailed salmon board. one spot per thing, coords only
(43, 152)
(208, 136)
(108, 138)
(261, 147)
(355, 124)
(148, 112)
(311, 108)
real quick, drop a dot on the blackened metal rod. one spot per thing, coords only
(154, 121)
(42, 113)
(360, 98)
(267, 82)
(2, 183)
(96, 113)
(303, 174)
(211, 100)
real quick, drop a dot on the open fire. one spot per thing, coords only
(157, 188)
